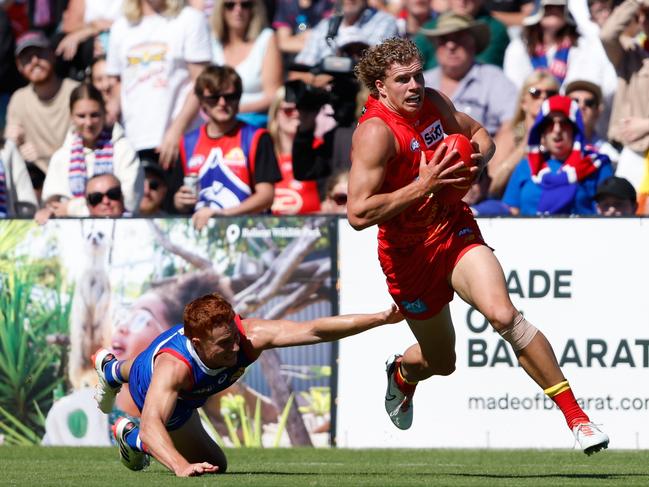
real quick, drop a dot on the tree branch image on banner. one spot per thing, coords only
(73, 286)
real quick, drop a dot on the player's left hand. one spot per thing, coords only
(477, 156)
(196, 469)
(392, 315)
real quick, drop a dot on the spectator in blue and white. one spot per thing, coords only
(550, 40)
(155, 53)
(375, 26)
(242, 39)
(91, 147)
(482, 91)
(559, 176)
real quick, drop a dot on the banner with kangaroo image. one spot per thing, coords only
(72, 286)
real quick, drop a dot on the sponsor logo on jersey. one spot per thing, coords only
(433, 133)
(414, 145)
(196, 161)
(415, 307)
(467, 233)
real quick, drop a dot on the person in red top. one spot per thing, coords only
(429, 248)
(230, 167)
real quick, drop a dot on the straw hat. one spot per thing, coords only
(450, 22)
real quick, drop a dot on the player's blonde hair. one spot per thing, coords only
(376, 60)
(132, 9)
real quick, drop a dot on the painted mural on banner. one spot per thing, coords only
(72, 286)
(581, 281)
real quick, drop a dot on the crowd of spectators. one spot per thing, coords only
(226, 107)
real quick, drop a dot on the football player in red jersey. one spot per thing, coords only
(428, 248)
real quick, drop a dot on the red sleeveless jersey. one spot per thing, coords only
(428, 218)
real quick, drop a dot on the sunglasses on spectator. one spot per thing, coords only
(339, 198)
(114, 194)
(289, 111)
(154, 184)
(537, 93)
(587, 102)
(243, 5)
(212, 100)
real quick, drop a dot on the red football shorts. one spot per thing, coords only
(418, 275)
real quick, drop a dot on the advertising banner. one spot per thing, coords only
(582, 282)
(72, 286)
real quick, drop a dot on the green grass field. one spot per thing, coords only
(57, 466)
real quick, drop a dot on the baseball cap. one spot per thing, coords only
(32, 38)
(589, 86)
(351, 35)
(154, 167)
(617, 187)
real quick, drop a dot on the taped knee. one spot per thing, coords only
(520, 334)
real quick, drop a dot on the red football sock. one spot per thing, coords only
(403, 385)
(565, 400)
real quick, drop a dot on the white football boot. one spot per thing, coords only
(132, 459)
(398, 405)
(590, 438)
(104, 392)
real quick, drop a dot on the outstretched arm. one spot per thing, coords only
(266, 334)
(170, 376)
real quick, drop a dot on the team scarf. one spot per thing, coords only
(3, 191)
(77, 173)
(559, 65)
(558, 189)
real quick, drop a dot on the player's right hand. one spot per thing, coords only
(196, 469)
(437, 172)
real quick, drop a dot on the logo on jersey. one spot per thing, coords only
(467, 233)
(415, 307)
(414, 145)
(433, 133)
(195, 162)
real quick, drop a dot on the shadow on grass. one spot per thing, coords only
(572, 476)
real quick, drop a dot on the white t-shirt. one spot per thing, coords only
(586, 61)
(102, 10)
(250, 68)
(151, 59)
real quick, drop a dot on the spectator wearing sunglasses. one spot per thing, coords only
(232, 164)
(511, 141)
(155, 191)
(291, 196)
(589, 98)
(104, 196)
(242, 39)
(559, 176)
(91, 147)
(335, 201)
